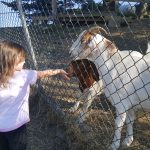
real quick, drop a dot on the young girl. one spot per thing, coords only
(14, 93)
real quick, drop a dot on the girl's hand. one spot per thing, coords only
(51, 72)
(64, 74)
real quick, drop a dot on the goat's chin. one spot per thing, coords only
(80, 57)
(77, 58)
(74, 56)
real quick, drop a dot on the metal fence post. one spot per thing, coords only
(26, 32)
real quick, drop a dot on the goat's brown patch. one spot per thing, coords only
(112, 49)
(87, 36)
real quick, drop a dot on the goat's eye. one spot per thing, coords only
(83, 41)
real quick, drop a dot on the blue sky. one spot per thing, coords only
(8, 18)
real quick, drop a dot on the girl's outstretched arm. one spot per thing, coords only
(52, 72)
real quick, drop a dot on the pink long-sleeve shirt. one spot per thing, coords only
(14, 105)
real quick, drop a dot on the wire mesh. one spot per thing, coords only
(54, 117)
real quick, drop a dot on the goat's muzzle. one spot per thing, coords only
(70, 71)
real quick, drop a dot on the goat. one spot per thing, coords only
(125, 78)
(89, 84)
(147, 55)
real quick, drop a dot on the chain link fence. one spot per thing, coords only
(47, 29)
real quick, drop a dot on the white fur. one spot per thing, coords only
(147, 56)
(126, 81)
(88, 96)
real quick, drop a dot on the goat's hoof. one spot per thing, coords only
(127, 142)
(74, 108)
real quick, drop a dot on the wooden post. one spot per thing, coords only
(54, 10)
(65, 4)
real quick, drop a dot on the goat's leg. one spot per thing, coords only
(86, 105)
(75, 107)
(80, 96)
(119, 122)
(129, 134)
(90, 95)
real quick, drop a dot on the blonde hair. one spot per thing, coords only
(10, 54)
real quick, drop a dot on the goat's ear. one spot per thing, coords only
(97, 29)
(112, 49)
(86, 38)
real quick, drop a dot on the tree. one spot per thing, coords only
(25, 3)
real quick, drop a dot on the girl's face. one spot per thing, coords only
(19, 66)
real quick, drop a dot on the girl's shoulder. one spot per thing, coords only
(25, 74)
(31, 75)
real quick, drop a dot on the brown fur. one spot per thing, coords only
(85, 71)
(87, 36)
(112, 49)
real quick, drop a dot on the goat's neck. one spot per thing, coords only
(105, 59)
(105, 66)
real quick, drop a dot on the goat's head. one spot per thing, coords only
(79, 67)
(85, 71)
(89, 41)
